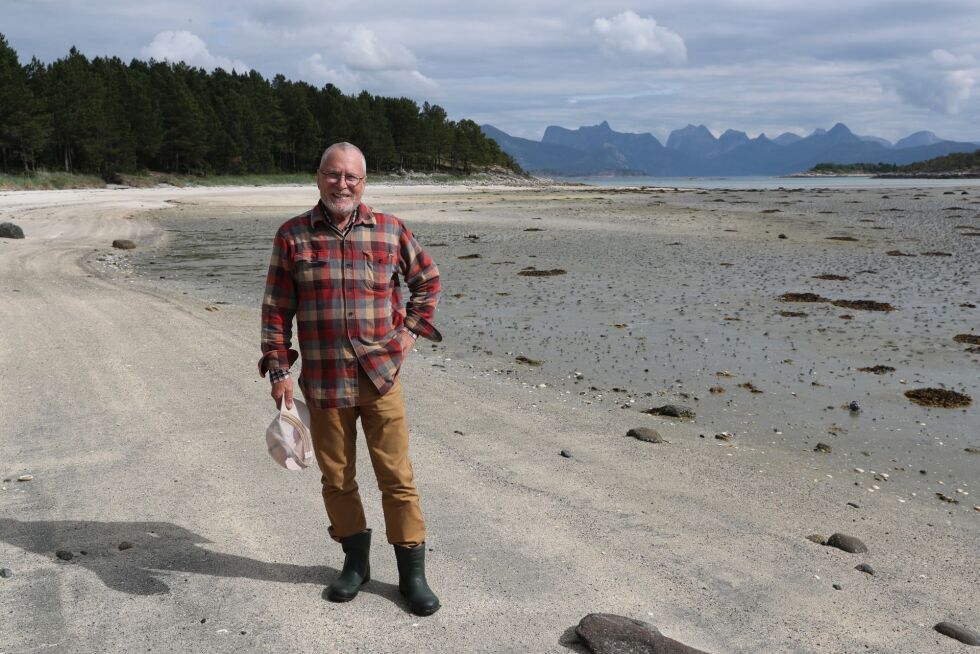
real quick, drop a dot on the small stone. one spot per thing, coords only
(853, 505)
(64, 555)
(838, 587)
(566, 453)
(125, 545)
(25, 478)
(6, 573)
(819, 539)
(947, 498)
(853, 407)
(724, 436)
(645, 434)
(823, 447)
(10, 230)
(123, 244)
(847, 543)
(865, 568)
(972, 450)
(958, 632)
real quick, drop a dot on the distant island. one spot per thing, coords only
(960, 165)
(694, 151)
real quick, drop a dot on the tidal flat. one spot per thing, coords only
(629, 299)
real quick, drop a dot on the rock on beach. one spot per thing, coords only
(959, 632)
(10, 230)
(606, 633)
(646, 434)
(847, 543)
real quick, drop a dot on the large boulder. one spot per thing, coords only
(606, 633)
(10, 230)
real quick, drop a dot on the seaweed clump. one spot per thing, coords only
(533, 272)
(939, 397)
(877, 370)
(802, 297)
(970, 339)
(863, 305)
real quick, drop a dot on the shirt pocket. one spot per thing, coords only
(379, 268)
(308, 267)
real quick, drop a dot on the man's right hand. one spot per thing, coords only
(283, 389)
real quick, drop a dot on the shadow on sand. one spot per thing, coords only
(160, 550)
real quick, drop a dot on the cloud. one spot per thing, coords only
(388, 82)
(189, 48)
(363, 50)
(941, 82)
(630, 34)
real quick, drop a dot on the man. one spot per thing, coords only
(336, 268)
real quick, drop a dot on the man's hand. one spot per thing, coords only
(282, 389)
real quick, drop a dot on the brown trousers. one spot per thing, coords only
(385, 429)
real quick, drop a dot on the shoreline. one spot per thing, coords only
(719, 528)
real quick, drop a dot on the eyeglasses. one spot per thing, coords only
(334, 177)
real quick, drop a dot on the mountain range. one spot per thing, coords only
(695, 151)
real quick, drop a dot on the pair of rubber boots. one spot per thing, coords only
(357, 572)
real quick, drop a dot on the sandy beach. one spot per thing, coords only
(131, 399)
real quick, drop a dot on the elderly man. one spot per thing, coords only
(338, 269)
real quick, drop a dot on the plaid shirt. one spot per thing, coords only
(344, 290)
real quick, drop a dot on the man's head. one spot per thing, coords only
(340, 196)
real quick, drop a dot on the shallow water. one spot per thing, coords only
(665, 290)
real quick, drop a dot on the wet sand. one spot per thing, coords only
(158, 442)
(673, 297)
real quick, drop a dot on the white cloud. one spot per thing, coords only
(363, 50)
(188, 47)
(941, 82)
(390, 82)
(631, 34)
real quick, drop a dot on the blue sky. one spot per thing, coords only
(883, 68)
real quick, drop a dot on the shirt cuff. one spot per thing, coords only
(278, 374)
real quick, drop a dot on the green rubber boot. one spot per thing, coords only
(357, 568)
(411, 580)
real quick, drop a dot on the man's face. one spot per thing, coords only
(340, 196)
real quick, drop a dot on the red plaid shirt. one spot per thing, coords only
(345, 293)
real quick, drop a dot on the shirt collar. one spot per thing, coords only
(363, 215)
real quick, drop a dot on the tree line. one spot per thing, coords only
(103, 116)
(957, 162)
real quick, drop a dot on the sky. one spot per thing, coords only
(884, 68)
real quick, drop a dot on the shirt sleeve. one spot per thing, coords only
(422, 278)
(278, 309)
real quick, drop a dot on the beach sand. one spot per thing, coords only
(131, 397)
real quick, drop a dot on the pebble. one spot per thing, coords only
(823, 447)
(645, 434)
(123, 244)
(25, 478)
(6, 573)
(838, 587)
(64, 555)
(817, 538)
(958, 632)
(847, 543)
(725, 436)
(126, 545)
(865, 568)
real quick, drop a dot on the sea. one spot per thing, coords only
(774, 183)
